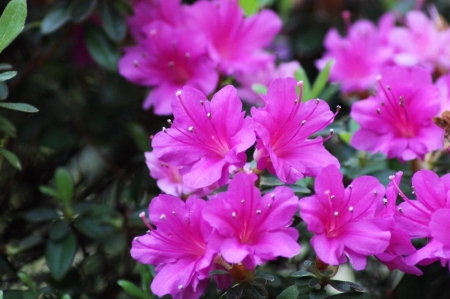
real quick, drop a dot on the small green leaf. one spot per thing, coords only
(3, 91)
(7, 75)
(79, 10)
(54, 20)
(102, 50)
(300, 75)
(93, 228)
(1, 294)
(11, 157)
(41, 214)
(113, 22)
(60, 254)
(317, 294)
(345, 286)
(321, 80)
(235, 292)
(66, 296)
(19, 107)
(259, 88)
(140, 137)
(49, 191)
(26, 279)
(313, 283)
(12, 21)
(7, 127)
(132, 289)
(291, 292)
(5, 67)
(24, 244)
(249, 6)
(59, 229)
(64, 184)
(302, 273)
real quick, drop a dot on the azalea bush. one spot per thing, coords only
(224, 149)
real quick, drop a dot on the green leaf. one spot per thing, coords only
(235, 292)
(64, 184)
(345, 286)
(79, 10)
(66, 296)
(131, 289)
(25, 244)
(300, 75)
(49, 191)
(102, 50)
(321, 80)
(3, 91)
(259, 88)
(291, 292)
(7, 127)
(12, 21)
(302, 273)
(26, 279)
(11, 157)
(140, 137)
(19, 107)
(59, 229)
(1, 294)
(5, 67)
(41, 214)
(93, 228)
(249, 6)
(113, 22)
(54, 20)
(317, 294)
(7, 75)
(60, 254)
(357, 295)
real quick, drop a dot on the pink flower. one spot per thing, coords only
(168, 59)
(178, 247)
(282, 128)
(235, 42)
(251, 229)
(443, 83)
(355, 69)
(343, 220)
(398, 120)
(208, 139)
(427, 216)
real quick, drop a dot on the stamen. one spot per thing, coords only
(173, 213)
(191, 129)
(178, 94)
(332, 196)
(209, 115)
(187, 55)
(171, 64)
(201, 102)
(350, 186)
(153, 32)
(269, 205)
(162, 217)
(164, 129)
(303, 122)
(169, 121)
(142, 216)
(350, 209)
(378, 111)
(258, 212)
(385, 201)
(243, 201)
(180, 287)
(135, 63)
(272, 196)
(375, 192)
(336, 214)
(233, 214)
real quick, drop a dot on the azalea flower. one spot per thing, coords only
(235, 42)
(178, 247)
(208, 139)
(343, 220)
(398, 120)
(167, 59)
(251, 229)
(283, 127)
(427, 216)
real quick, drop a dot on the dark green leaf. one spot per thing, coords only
(317, 294)
(19, 107)
(113, 22)
(49, 191)
(12, 21)
(345, 286)
(357, 295)
(93, 229)
(300, 75)
(60, 254)
(11, 157)
(25, 244)
(3, 91)
(16, 294)
(59, 229)
(270, 181)
(235, 292)
(26, 279)
(7, 75)
(66, 296)
(321, 80)
(313, 283)
(139, 136)
(131, 289)
(302, 273)
(54, 20)
(218, 272)
(7, 127)
(256, 291)
(41, 214)
(291, 292)
(102, 50)
(299, 189)
(5, 67)
(79, 10)
(64, 184)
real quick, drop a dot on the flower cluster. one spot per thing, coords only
(180, 45)
(420, 41)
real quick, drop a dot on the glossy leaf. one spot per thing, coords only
(7, 127)
(104, 52)
(19, 107)
(60, 254)
(49, 191)
(25, 244)
(7, 75)
(11, 157)
(79, 10)
(3, 91)
(291, 292)
(132, 289)
(55, 20)
(41, 214)
(113, 22)
(317, 294)
(12, 21)
(345, 286)
(59, 229)
(235, 292)
(64, 184)
(302, 273)
(321, 80)
(26, 279)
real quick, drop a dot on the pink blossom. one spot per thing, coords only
(168, 59)
(178, 247)
(398, 120)
(235, 42)
(427, 216)
(251, 229)
(343, 220)
(443, 83)
(283, 127)
(208, 139)
(359, 56)
(263, 77)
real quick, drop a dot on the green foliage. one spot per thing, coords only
(55, 19)
(59, 253)
(12, 21)
(132, 289)
(102, 49)
(79, 10)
